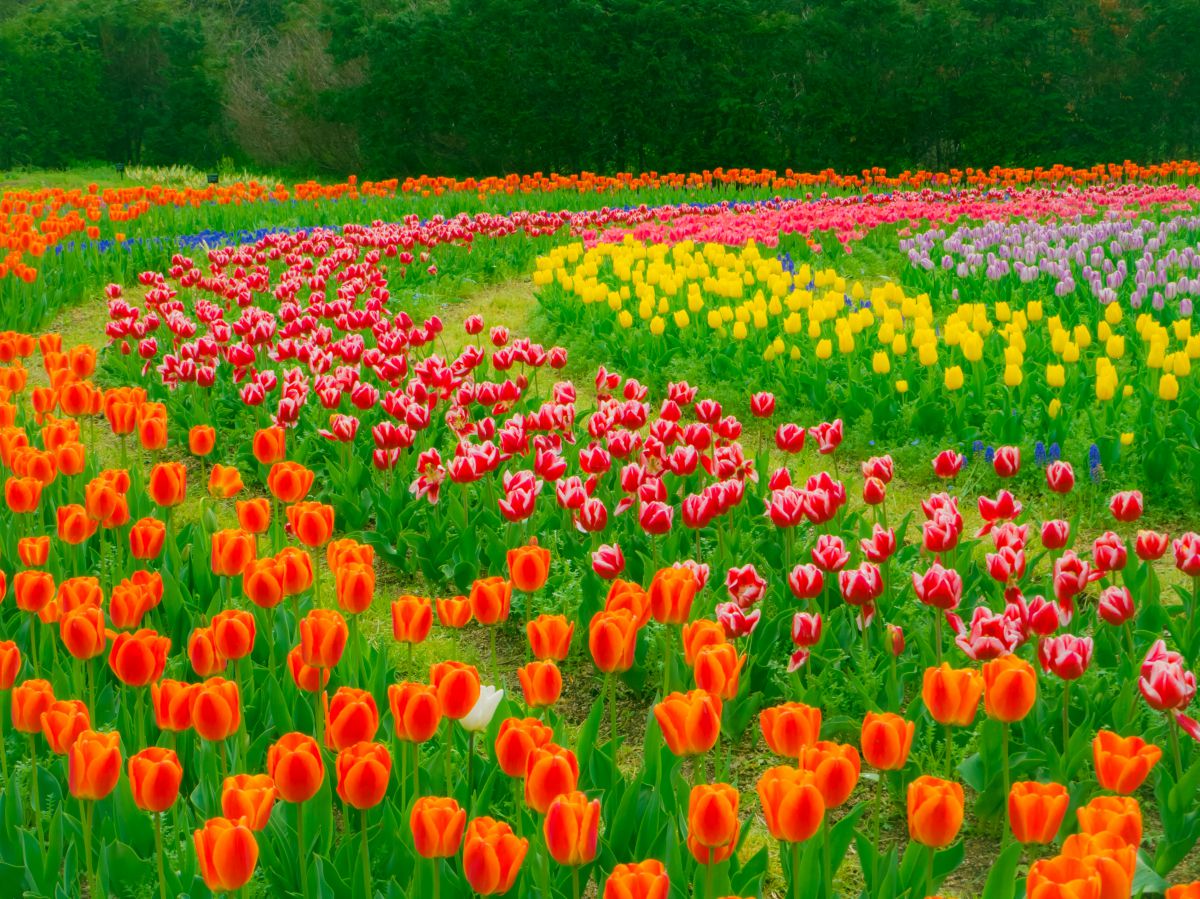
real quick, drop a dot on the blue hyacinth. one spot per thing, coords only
(1039, 453)
(1055, 452)
(988, 455)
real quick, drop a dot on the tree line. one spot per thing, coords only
(470, 87)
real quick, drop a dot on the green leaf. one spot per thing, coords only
(1002, 879)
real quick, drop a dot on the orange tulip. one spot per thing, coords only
(935, 811)
(168, 484)
(550, 771)
(62, 723)
(10, 663)
(528, 567)
(74, 524)
(516, 740)
(1010, 688)
(362, 774)
(216, 709)
(1123, 763)
(289, 482)
(672, 592)
(790, 728)
(1036, 810)
(82, 632)
(22, 495)
(355, 587)
(835, 768)
(457, 686)
(1062, 877)
(454, 611)
(1113, 859)
(227, 852)
(412, 619)
(700, 634)
(718, 670)
(29, 700)
(172, 701)
(70, 458)
(490, 600)
(33, 551)
(791, 803)
(248, 796)
(572, 829)
(270, 445)
(152, 432)
(232, 550)
(639, 880)
(1184, 891)
(630, 596)
(33, 590)
(541, 682)
(295, 765)
(254, 515)
(886, 740)
(94, 764)
(105, 504)
(306, 677)
(154, 778)
(75, 398)
(492, 856)
(690, 722)
(138, 658)
(146, 538)
(1115, 814)
(350, 717)
(348, 551)
(297, 570)
(234, 632)
(262, 582)
(323, 635)
(312, 523)
(79, 592)
(416, 711)
(202, 651)
(612, 639)
(224, 482)
(952, 694)
(713, 825)
(437, 826)
(201, 440)
(550, 637)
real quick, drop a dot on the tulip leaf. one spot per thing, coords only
(747, 880)
(1002, 879)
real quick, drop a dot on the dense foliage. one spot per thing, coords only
(471, 86)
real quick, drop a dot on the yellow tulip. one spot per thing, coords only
(1168, 388)
(881, 364)
(953, 378)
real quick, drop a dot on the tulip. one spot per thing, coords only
(172, 702)
(249, 797)
(612, 639)
(307, 677)
(416, 711)
(1123, 763)
(295, 765)
(1126, 506)
(490, 600)
(168, 484)
(232, 550)
(362, 775)
(82, 632)
(792, 805)
(1036, 810)
(550, 637)
(437, 827)
(608, 561)
(262, 582)
(203, 654)
(948, 463)
(631, 597)
(572, 828)
(835, 768)
(1111, 858)
(1010, 688)
(492, 856)
(550, 771)
(350, 717)
(516, 740)
(886, 741)
(453, 612)
(806, 581)
(700, 634)
(458, 688)
(224, 482)
(269, 445)
(790, 728)
(1184, 891)
(1062, 877)
(254, 515)
(323, 635)
(718, 669)
(672, 591)
(541, 682)
(94, 764)
(354, 587)
(33, 551)
(713, 825)
(227, 852)
(690, 722)
(234, 631)
(412, 619)
(146, 538)
(1120, 815)
(528, 567)
(216, 709)
(201, 440)
(139, 658)
(935, 811)
(638, 880)
(289, 482)
(312, 523)
(483, 710)
(154, 778)
(62, 723)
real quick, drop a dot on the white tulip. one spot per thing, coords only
(481, 715)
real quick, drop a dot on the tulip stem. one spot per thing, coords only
(402, 751)
(937, 634)
(437, 878)
(517, 803)
(929, 871)
(796, 890)
(416, 777)
(33, 790)
(949, 752)
(878, 817)
(612, 717)
(366, 857)
(827, 856)
(302, 858)
(1173, 731)
(575, 889)
(1004, 763)
(3, 754)
(708, 880)
(1066, 715)
(470, 757)
(158, 847)
(85, 824)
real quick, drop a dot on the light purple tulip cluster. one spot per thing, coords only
(1116, 258)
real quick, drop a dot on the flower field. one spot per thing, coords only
(717, 535)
